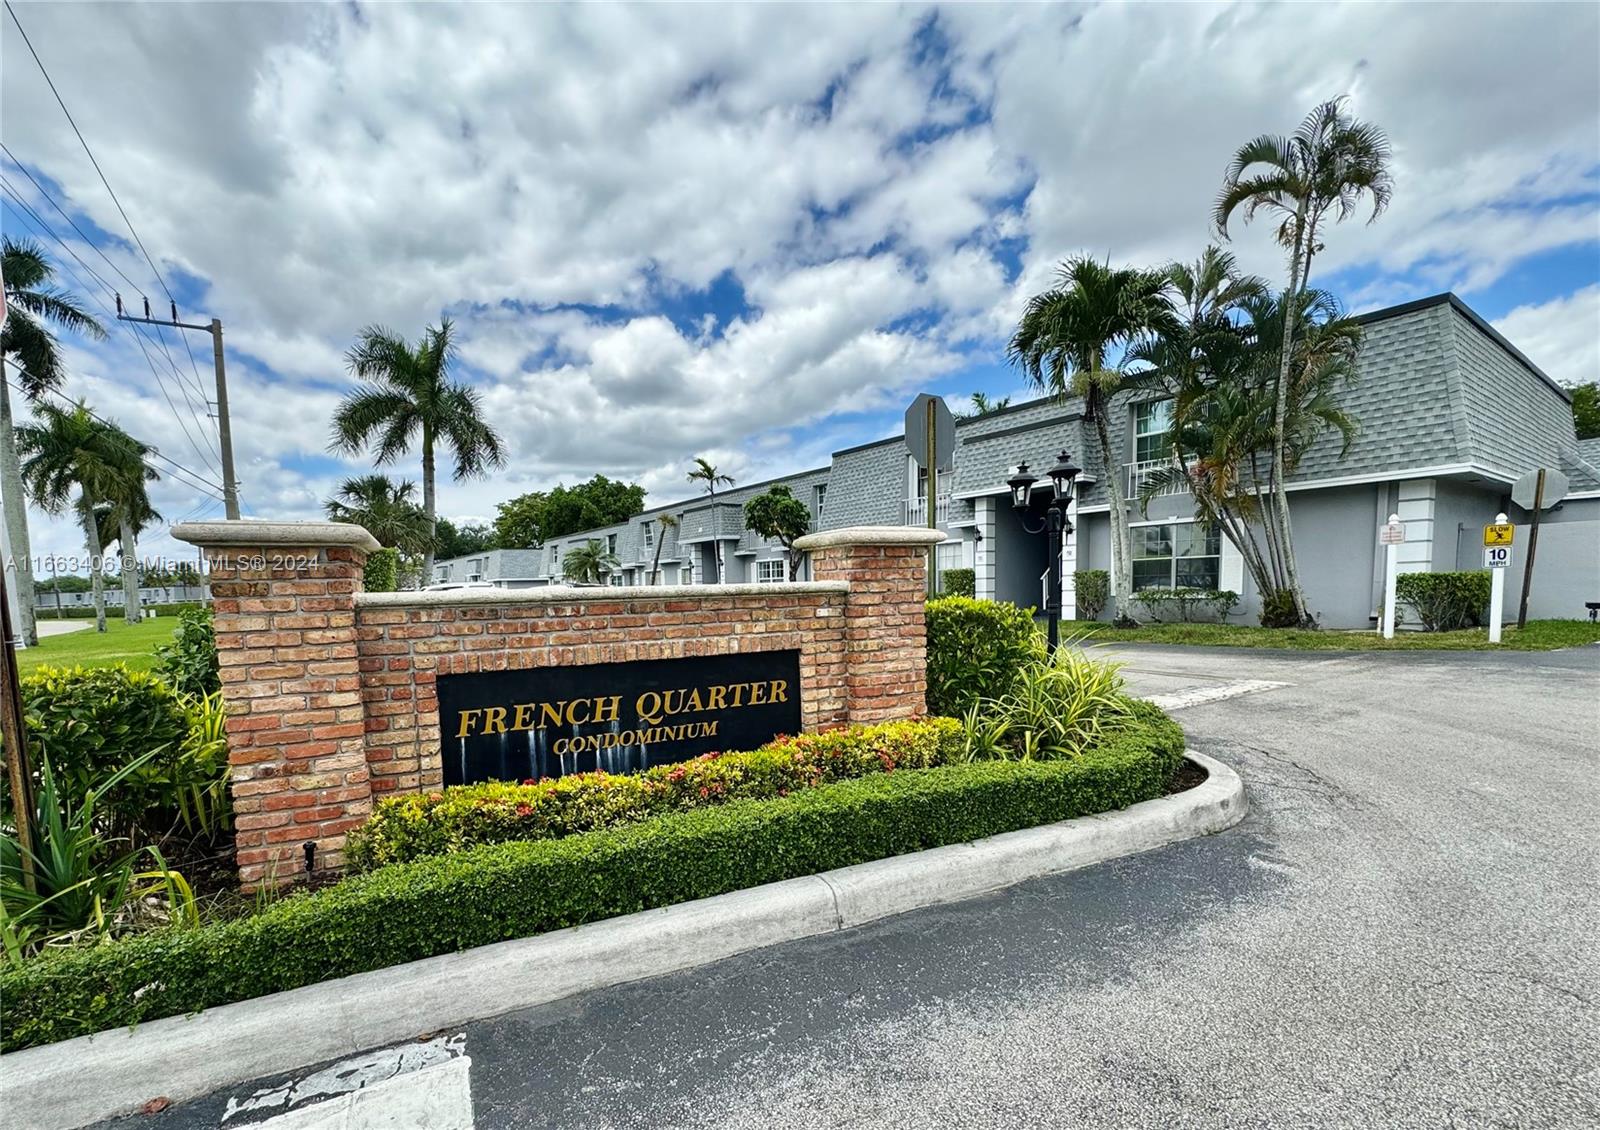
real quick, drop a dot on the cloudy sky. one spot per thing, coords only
(749, 233)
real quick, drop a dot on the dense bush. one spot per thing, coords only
(1279, 610)
(382, 570)
(1093, 588)
(1184, 602)
(91, 721)
(975, 649)
(959, 582)
(47, 611)
(189, 662)
(488, 894)
(1446, 602)
(409, 827)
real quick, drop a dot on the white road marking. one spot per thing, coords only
(1178, 700)
(413, 1085)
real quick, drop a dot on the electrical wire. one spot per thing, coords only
(139, 337)
(45, 71)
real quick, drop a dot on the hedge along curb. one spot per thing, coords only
(112, 1073)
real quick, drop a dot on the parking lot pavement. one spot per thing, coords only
(1401, 934)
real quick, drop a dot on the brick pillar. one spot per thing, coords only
(886, 636)
(283, 602)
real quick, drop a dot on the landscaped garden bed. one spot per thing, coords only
(1539, 635)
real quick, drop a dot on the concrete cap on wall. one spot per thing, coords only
(870, 535)
(254, 533)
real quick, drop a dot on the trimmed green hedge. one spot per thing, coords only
(975, 650)
(382, 571)
(1446, 602)
(959, 582)
(409, 827)
(472, 898)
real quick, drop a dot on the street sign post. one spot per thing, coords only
(1497, 538)
(931, 440)
(1390, 535)
(1535, 491)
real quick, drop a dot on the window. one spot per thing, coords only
(616, 580)
(611, 544)
(649, 529)
(773, 572)
(1179, 555)
(821, 497)
(1152, 421)
(952, 555)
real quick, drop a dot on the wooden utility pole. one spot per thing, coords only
(1533, 548)
(230, 486)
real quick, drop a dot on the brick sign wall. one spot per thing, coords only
(332, 693)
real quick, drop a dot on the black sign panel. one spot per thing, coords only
(619, 717)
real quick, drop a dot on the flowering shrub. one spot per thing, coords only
(410, 827)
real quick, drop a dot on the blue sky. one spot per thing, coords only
(747, 233)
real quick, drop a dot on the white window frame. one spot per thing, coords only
(1137, 530)
(1140, 431)
(778, 567)
(649, 529)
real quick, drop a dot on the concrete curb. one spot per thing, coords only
(113, 1073)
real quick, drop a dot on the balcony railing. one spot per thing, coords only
(1141, 473)
(917, 511)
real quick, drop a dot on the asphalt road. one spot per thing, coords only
(1403, 933)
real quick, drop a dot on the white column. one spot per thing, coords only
(1069, 565)
(1497, 595)
(1415, 507)
(983, 550)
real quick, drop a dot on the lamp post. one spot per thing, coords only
(1056, 524)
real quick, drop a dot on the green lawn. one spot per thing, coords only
(1539, 635)
(133, 644)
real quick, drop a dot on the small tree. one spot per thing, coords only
(781, 516)
(589, 563)
(706, 473)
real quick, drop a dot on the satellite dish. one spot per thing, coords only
(1525, 488)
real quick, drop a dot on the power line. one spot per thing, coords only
(120, 209)
(137, 289)
(189, 477)
(138, 334)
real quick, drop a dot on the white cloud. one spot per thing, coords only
(1561, 336)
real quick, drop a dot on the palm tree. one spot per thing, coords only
(71, 450)
(1223, 384)
(385, 508)
(703, 472)
(589, 563)
(408, 394)
(664, 522)
(983, 406)
(1320, 174)
(1075, 339)
(128, 514)
(33, 303)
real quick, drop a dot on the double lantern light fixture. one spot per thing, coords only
(1063, 477)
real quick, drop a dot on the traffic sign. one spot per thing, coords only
(1497, 557)
(1498, 533)
(931, 429)
(1526, 489)
(1391, 533)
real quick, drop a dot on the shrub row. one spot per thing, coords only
(975, 649)
(959, 582)
(47, 611)
(488, 894)
(420, 824)
(1446, 602)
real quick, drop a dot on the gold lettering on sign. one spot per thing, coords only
(651, 709)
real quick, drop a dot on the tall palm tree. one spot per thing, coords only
(1076, 339)
(33, 305)
(385, 508)
(588, 563)
(128, 514)
(408, 395)
(71, 450)
(1321, 174)
(704, 472)
(664, 522)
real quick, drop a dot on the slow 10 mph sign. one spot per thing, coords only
(1498, 533)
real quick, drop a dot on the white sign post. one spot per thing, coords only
(1497, 559)
(1391, 534)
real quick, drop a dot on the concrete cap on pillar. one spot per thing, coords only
(255, 533)
(870, 535)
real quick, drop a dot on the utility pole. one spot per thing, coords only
(14, 734)
(230, 485)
